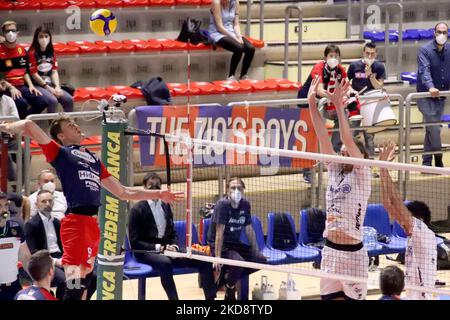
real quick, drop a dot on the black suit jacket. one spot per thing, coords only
(142, 228)
(35, 234)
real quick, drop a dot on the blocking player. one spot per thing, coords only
(82, 175)
(348, 191)
(421, 251)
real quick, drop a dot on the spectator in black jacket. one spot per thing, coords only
(151, 228)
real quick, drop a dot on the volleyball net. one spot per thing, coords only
(279, 222)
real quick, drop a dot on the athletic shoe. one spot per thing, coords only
(244, 77)
(232, 78)
(307, 177)
(230, 293)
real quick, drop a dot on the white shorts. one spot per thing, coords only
(348, 263)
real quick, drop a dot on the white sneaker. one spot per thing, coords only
(244, 77)
(232, 78)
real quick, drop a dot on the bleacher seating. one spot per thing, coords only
(408, 35)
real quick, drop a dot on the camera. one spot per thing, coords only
(119, 99)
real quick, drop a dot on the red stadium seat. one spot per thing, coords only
(116, 46)
(208, 88)
(62, 48)
(206, 2)
(88, 47)
(259, 85)
(130, 93)
(135, 3)
(96, 139)
(109, 3)
(83, 4)
(160, 3)
(142, 45)
(172, 45)
(256, 43)
(189, 2)
(27, 5)
(54, 4)
(181, 89)
(6, 6)
(200, 46)
(284, 84)
(96, 92)
(81, 95)
(234, 86)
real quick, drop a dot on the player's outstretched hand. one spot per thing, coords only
(387, 151)
(169, 197)
(337, 96)
(312, 93)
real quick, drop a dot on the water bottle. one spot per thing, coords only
(370, 237)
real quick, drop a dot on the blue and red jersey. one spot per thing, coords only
(80, 172)
(34, 293)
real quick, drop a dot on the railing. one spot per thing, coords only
(18, 153)
(287, 12)
(386, 30)
(408, 101)
(249, 18)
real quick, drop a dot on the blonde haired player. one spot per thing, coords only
(347, 194)
(421, 252)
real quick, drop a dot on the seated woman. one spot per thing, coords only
(224, 32)
(44, 71)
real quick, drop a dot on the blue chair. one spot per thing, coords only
(446, 117)
(273, 256)
(400, 232)
(206, 223)
(132, 269)
(375, 36)
(300, 253)
(180, 228)
(426, 34)
(411, 77)
(378, 218)
(411, 35)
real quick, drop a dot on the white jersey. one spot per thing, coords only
(346, 199)
(420, 260)
(9, 256)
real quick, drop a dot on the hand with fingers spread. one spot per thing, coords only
(387, 152)
(337, 96)
(170, 197)
(312, 93)
(15, 93)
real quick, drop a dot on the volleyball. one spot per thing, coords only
(103, 22)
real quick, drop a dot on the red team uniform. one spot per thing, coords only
(80, 172)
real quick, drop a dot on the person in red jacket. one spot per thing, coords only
(44, 70)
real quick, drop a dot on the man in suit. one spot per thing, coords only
(42, 232)
(151, 228)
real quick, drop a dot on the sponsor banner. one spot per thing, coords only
(289, 129)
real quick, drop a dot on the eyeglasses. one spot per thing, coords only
(236, 188)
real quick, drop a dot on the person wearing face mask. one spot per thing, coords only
(14, 63)
(232, 216)
(46, 181)
(42, 271)
(433, 76)
(44, 71)
(42, 232)
(330, 73)
(14, 249)
(366, 75)
(152, 231)
(348, 191)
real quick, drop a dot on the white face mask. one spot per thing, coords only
(332, 63)
(369, 61)
(441, 39)
(49, 186)
(11, 36)
(236, 196)
(43, 42)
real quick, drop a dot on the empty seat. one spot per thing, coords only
(6, 6)
(96, 92)
(27, 5)
(181, 89)
(84, 3)
(208, 88)
(109, 3)
(161, 2)
(411, 34)
(180, 228)
(54, 4)
(135, 3)
(255, 42)
(300, 253)
(233, 86)
(116, 46)
(171, 45)
(142, 45)
(62, 48)
(426, 34)
(411, 77)
(259, 85)
(88, 47)
(189, 2)
(284, 84)
(130, 93)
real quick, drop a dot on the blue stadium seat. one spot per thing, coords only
(411, 35)
(273, 256)
(411, 77)
(446, 117)
(426, 34)
(375, 36)
(180, 228)
(206, 223)
(378, 218)
(132, 269)
(300, 253)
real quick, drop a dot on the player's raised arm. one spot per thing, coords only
(137, 193)
(316, 118)
(392, 200)
(27, 128)
(337, 99)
